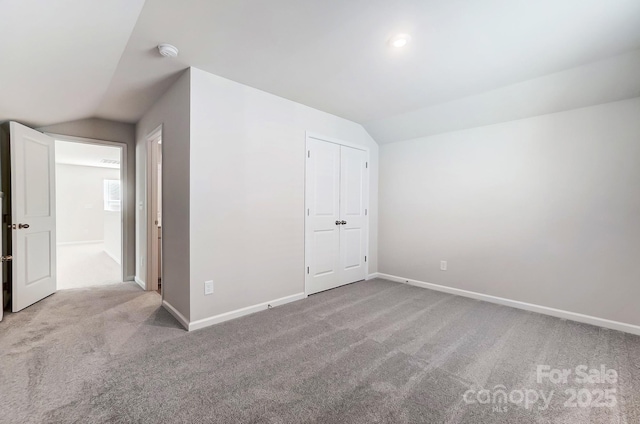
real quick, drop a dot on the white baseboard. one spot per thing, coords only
(177, 315)
(71, 243)
(573, 316)
(117, 260)
(216, 319)
(140, 283)
(372, 276)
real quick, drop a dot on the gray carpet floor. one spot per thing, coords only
(368, 352)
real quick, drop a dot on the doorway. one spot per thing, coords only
(154, 217)
(89, 193)
(30, 237)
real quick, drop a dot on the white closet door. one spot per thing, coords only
(322, 241)
(33, 211)
(353, 228)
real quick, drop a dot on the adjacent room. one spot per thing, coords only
(88, 214)
(234, 211)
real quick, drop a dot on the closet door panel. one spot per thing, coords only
(353, 203)
(322, 241)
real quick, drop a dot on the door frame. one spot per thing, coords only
(311, 135)
(124, 187)
(151, 188)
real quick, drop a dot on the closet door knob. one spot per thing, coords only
(21, 226)
(337, 222)
(344, 222)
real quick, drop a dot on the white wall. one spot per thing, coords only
(172, 112)
(544, 210)
(112, 235)
(80, 202)
(247, 192)
(102, 129)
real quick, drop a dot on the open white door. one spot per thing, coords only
(33, 218)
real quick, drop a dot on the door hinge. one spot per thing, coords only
(308, 153)
(365, 259)
(307, 212)
(366, 211)
(307, 270)
(366, 164)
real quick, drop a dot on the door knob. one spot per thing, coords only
(344, 222)
(21, 226)
(337, 222)
(7, 258)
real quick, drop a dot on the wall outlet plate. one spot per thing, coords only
(208, 287)
(443, 265)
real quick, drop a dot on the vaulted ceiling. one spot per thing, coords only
(57, 58)
(72, 59)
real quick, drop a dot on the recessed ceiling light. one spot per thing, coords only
(399, 40)
(167, 50)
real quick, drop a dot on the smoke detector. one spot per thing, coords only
(167, 50)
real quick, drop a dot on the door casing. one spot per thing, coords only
(124, 187)
(152, 210)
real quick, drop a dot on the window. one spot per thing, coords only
(112, 195)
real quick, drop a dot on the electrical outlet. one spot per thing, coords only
(208, 287)
(443, 265)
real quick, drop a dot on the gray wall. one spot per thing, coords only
(544, 210)
(172, 112)
(101, 129)
(247, 192)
